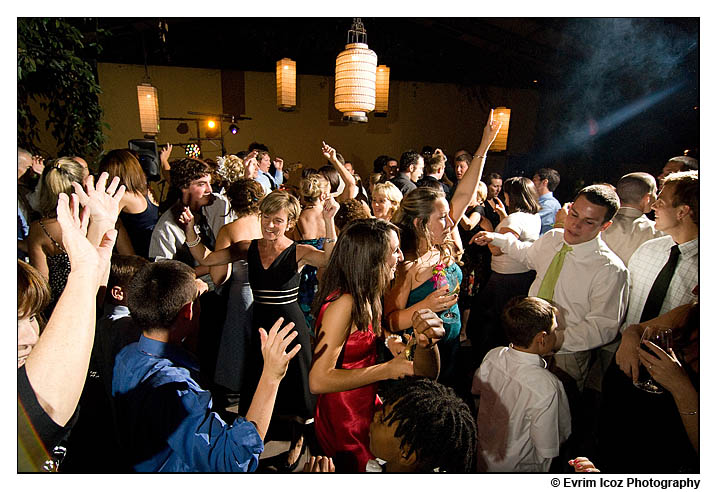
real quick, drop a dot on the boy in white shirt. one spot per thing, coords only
(523, 415)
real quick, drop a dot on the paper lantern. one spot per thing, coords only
(286, 84)
(355, 76)
(503, 115)
(382, 91)
(149, 109)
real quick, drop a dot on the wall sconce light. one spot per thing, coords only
(355, 76)
(382, 90)
(148, 103)
(286, 84)
(504, 116)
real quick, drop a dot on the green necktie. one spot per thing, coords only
(554, 270)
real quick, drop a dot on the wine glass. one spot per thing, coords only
(662, 337)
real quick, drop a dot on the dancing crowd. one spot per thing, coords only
(418, 320)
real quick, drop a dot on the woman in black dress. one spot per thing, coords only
(275, 263)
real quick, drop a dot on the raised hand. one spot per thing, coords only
(274, 343)
(328, 152)
(186, 219)
(165, 152)
(83, 255)
(490, 131)
(331, 207)
(278, 163)
(561, 214)
(251, 166)
(498, 207)
(103, 204)
(38, 164)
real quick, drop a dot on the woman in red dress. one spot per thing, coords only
(344, 371)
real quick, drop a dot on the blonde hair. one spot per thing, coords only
(281, 200)
(389, 191)
(312, 187)
(481, 193)
(58, 176)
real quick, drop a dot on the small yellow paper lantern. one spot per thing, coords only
(149, 109)
(355, 76)
(503, 115)
(382, 90)
(286, 84)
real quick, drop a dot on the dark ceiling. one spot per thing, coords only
(509, 52)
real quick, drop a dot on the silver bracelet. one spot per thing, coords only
(386, 340)
(328, 240)
(193, 243)
(694, 412)
(480, 156)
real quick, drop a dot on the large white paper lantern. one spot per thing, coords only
(286, 84)
(355, 76)
(382, 90)
(503, 115)
(149, 109)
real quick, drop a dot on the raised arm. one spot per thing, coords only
(466, 189)
(102, 202)
(350, 184)
(203, 255)
(324, 377)
(57, 365)
(165, 161)
(309, 255)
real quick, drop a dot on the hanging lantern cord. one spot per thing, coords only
(146, 80)
(357, 33)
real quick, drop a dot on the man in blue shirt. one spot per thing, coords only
(165, 420)
(269, 182)
(546, 181)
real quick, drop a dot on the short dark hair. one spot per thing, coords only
(632, 187)
(434, 423)
(523, 196)
(602, 195)
(157, 293)
(687, 163)
(433, 165)
(408, 159)
(379, 163)
(553, 177)
(186, 170)
(257, 146)
(464, 157)
(332, 176)
(525, 317)
(123, 268)
(685, 190)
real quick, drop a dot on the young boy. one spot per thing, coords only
(523, 414)
(422, 427)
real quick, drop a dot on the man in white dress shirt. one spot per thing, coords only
(631, 227)
(591, 290)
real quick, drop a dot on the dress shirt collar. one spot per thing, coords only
(584, 249)
(631, 212)
(520, 357)
(689, 248)
(164, 350)
(546, 196)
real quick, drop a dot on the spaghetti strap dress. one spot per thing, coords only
(342, 419)
(275, 295)
(59, 269)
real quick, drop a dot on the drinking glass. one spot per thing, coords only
(663, 337)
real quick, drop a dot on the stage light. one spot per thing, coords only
(211, 124)
(233, 129)
(192, 150)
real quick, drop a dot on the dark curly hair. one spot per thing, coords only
(244, 196)
(434, 423)
(349, 211)
(184, 171)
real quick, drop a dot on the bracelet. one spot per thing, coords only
(328, 240)
(386, 340)
(480, 156)
(694, 412)
(193, 243)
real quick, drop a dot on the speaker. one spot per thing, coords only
(146, 150)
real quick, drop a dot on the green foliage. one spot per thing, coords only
(56, 68)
